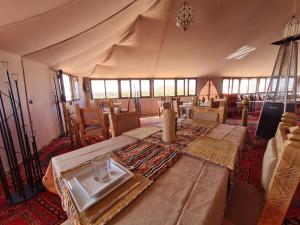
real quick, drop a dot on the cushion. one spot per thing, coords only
(269, 163)
(210, 116)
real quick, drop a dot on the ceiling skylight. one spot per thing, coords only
(241, 53)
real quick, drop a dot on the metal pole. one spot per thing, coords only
(27, 149)
(13, 153)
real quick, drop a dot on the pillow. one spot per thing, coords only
(269, 163)
(210, 116)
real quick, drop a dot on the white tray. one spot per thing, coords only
(87, 182)
(80, 196)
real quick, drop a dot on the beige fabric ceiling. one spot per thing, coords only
(138, 38)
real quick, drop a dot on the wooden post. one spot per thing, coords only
(286, 175)
(245, 104)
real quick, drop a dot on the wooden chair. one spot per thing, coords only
(281, 176)
(91, 122)
(232, 108)
(91, 103)
(123, 122)
(69, 111)
(126, 110)
(211, 114)
(106, 105)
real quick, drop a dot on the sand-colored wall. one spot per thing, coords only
(40, 88)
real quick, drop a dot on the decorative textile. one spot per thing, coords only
(194, 130)
(186, 134)
(148, 159)
(221, 152)
(136, 185)
(142, 132)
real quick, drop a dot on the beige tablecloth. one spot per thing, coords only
(192, 192)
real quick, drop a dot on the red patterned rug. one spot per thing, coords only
(45, 208)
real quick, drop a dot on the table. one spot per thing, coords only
(200, 201)
(187, 107)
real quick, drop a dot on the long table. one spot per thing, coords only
(191, 192)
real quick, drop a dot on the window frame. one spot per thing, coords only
(248, 78)
(72, 86)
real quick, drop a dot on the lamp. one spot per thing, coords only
(185, 16)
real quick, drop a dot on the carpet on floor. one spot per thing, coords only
(45, 208)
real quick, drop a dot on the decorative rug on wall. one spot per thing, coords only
(45, 208)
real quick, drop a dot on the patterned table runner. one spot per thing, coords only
(218, 151)
(148, 159)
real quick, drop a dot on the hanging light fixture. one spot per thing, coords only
(185, 16)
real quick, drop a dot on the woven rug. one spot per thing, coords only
(46, 209)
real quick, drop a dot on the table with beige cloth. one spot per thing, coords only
(191, 192)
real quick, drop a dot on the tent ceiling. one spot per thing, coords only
(138, 38)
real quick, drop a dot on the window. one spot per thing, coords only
(105, 89)
(158, 88)
(180, 87)
(112, 89)
(192, 87)
(70, 87)
(262, 85)
(186, 87)
(235, 86)
(169, 87)
(67, 87)
(125, 88)
(174, 87)
(145, 88)
(252, 85)
(75, 87)
(244, 86)
(135, 88)
(225, 86)
(98, 89)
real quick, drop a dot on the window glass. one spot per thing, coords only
(235, 86)
(244, 86)
(125, 88)
(291, 84)
(262, 85)
(135, 88)
(145, 86)
(169, 87)
(252, 85)
(158, 87)
(67, 87)
(225, 86)
(76, 88)
(192, 86)
(112, 89)
(267, 83)
(98, 88)
(186, 85)
(274, 84)
(180, 87)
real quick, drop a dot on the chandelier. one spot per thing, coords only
(185, 16)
